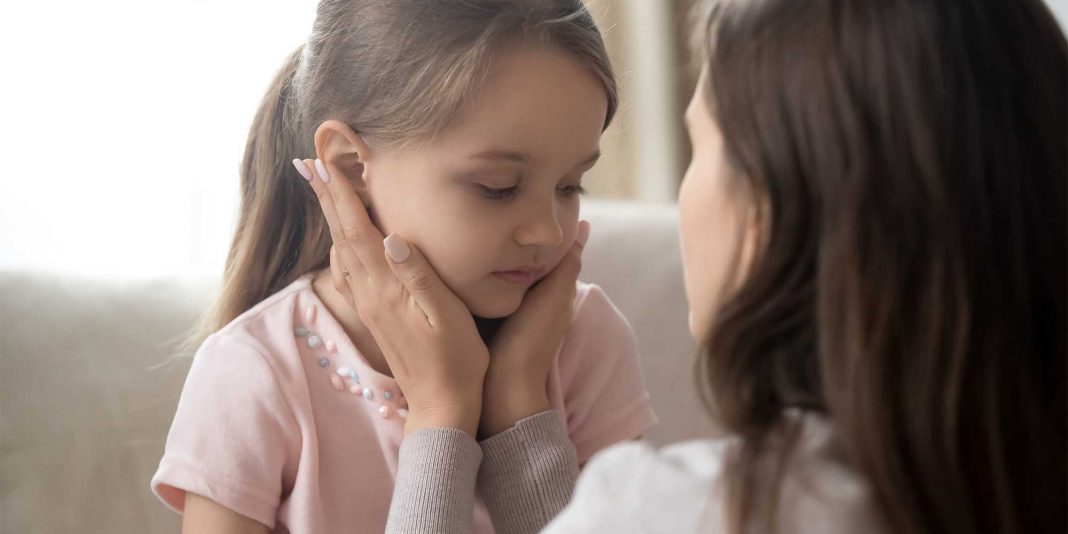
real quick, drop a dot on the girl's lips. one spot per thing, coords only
(518, 277)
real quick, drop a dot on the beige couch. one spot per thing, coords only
(85, 403)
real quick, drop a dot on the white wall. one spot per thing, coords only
(123, 124)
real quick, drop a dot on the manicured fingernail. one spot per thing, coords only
(397, 249)
(302, 169)
(322, 170)
(583, 233)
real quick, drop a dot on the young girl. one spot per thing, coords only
(464, 126)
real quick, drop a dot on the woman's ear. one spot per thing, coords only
(344, 149)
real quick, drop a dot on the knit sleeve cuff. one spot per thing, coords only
(435, 485)
(528, 473)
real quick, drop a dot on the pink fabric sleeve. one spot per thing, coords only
(233, 435)
(604, 391)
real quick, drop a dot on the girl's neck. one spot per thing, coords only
(350, 321)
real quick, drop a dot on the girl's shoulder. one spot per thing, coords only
(284, 309)
(276, 329)
(594, 311)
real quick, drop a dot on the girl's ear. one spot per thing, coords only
(344, 149)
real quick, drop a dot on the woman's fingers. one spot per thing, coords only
(337, 276)
(356, 226)
(420, 279)
(306, 168)
(350, 226)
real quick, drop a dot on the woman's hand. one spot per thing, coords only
(524, 347)
(426, 333)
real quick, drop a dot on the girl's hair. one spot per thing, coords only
(907, 161)
(395, 71)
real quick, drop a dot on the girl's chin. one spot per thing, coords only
(495, 307)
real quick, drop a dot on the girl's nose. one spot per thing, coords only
(540, 228)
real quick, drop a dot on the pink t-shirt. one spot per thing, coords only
(283, 421)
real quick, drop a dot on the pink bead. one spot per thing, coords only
(355, 388)
(331, 346)
(309, 315)
(385, 411)
(338, 383)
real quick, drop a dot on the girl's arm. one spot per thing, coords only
(205, 516)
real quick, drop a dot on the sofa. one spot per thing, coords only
(88, 386)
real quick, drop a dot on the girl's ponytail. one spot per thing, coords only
(277, 212)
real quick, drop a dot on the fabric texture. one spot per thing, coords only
(631, 487)
(283, 421)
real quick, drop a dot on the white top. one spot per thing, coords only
(633, 487)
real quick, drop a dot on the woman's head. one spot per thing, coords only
(892, 176)
(426, 106)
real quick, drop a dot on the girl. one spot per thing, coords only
(464, 126)
(874, 237)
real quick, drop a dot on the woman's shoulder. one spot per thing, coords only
(635, 486)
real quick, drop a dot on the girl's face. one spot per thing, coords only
(716, 239)
(493, 201)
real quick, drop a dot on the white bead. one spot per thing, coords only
(388, 395)
(368, 394)
(314, 341)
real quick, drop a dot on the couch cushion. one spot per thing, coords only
(88, 387)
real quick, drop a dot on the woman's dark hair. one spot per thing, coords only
(911, 159)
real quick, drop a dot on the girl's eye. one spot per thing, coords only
(572, 190)
(497, 194)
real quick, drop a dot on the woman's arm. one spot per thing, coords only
(205, 516)
(526, 477)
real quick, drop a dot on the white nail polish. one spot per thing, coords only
(302, 169)
(322, 171)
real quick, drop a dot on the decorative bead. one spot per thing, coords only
(309, 315)
(403, 413)
(356, 389)
(346, 372)
(301, 331)
(337, 382)
(388, 395)
(314, 341)
(324, 362)
(331, 346)
(385, 411)
(368, 394)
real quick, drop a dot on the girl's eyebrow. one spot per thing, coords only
(514, 156)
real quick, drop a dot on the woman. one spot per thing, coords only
(874, 239)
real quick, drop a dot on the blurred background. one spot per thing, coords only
(123, 123)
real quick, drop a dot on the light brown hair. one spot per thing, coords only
(396, 72)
